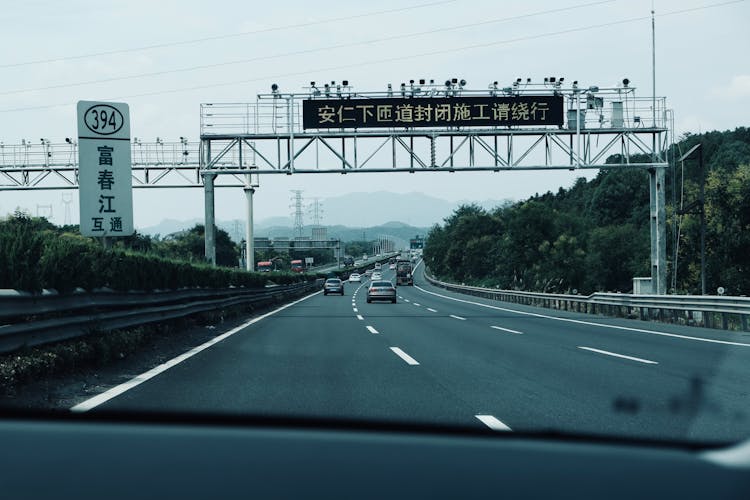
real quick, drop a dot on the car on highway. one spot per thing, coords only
(391, 266)
(381, 290)
(376, 275)
(355, 278)
(377, 265)
(369, 272)
(333, 285)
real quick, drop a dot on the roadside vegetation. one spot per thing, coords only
(594, 236)
(35, 254)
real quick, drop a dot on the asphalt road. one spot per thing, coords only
(441, 357)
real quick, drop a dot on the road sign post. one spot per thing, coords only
(104, 169)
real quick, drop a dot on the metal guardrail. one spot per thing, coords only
(728, 313)
(39, 319)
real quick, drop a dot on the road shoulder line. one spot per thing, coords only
(145, 376)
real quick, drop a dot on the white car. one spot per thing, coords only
(355, 277)
(376, 276)
(392, 266)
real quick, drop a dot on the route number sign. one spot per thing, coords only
(105, 185)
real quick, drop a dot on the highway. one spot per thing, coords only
(444, 358)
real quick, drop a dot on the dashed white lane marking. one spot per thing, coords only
(359, 317)
(506, 329)
(406, 300)
(401, 354)
(416, 304)
(590, 323)
(400, 297)
(372, 330)
(493, 423)
(143, 377)
(457, 317)
(355, 309)
(640, 360)
(431, 309)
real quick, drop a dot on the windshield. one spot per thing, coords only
(566, 207)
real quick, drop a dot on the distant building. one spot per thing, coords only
(319, 233)
(416, 243)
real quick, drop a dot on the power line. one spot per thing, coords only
(309, 51)
(391, 59)
(222, 37)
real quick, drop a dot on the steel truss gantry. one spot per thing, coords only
(45, 165)
(608, 128)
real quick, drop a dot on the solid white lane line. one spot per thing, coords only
(590, 323)
(401, 354)
(457, 317)
(493, 423)
(506, 329)
(372, 330)
(640, 360)
(431, 309)
(359, 317)
(143, 377)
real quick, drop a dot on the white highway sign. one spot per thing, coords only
(105, 185)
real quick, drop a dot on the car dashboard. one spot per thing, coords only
(158, 457)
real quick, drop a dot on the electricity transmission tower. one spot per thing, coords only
(315, 209)
(297, 213)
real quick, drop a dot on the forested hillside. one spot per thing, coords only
(594, 236)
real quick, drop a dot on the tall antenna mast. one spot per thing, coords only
(653, 63)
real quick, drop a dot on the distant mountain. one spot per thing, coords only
(273, 221)
(396, 231)
(407, 214)
(371, 209)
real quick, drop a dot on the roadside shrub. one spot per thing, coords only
(35, 255)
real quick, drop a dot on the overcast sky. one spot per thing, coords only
(702, 67)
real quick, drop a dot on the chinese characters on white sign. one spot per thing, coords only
(104, 169)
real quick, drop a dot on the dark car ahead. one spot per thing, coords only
(381, 290)
(333, 285)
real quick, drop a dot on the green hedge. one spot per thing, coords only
(33, 256)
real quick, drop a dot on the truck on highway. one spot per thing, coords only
(265, 266)
(297, 266)
(403, 272)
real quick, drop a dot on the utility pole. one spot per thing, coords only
(67, 200)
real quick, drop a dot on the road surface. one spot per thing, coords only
(444, 358)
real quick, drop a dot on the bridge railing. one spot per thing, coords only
(728, 313)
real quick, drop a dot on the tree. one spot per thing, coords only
(190, 245)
